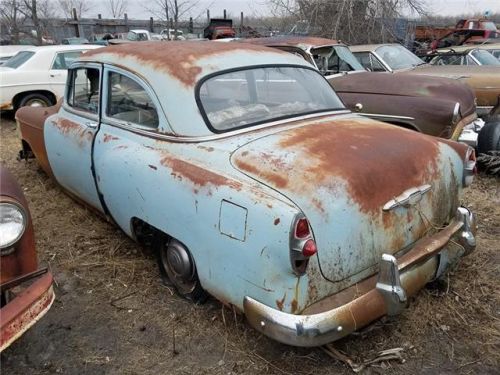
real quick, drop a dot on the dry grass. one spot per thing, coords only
(112, 315)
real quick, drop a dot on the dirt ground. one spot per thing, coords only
(113, 316)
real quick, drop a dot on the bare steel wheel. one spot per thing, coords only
(178, 269)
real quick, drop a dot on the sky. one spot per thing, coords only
(260, 8)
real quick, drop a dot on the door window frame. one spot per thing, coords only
(163, 125)
(78, 111)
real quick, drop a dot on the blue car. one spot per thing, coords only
(253, 183)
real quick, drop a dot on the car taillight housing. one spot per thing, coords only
(470, 167)
(302, 244)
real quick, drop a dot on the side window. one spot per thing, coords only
(64, 59)
(376, 66)
(128, 101)
(83, 91)
(364, 58)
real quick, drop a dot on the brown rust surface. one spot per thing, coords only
(178, 58)
(195, 174)
(376, 161)
(23, 260)
(31, 123)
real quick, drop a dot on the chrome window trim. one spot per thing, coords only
(381, 61)
(197, 139)
(81, 112)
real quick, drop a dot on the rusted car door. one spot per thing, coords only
(125, 156)
(69, 136)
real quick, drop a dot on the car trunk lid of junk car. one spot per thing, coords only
(366, 188)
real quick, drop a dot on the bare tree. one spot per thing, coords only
(171, 11)
(11, 17)
(117, 8)
(29, 9)
(350, 20)
(81, 6)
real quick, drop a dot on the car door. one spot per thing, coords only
(69, 136)
(59, 70)
(126, 154)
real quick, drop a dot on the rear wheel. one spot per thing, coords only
(35, 100)
(177, 268)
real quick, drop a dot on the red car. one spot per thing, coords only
(26, 290)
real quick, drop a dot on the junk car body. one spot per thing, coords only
(484, 80)
(436, 106)
(26, 291)
(465, 55)
(256, 184)
(36, 76)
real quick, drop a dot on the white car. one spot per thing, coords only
(6, 52)
(36, 76)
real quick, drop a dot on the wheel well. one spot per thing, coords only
(143, 232)
(48, 94)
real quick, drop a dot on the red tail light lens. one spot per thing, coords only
(302, 228)
(309, 248)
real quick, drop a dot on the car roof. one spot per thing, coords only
(175, 69)
(303, 42)
(180, 58)
(370, 47)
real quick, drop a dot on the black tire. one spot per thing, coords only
(188, 287)
(489, 137)
(35, 100)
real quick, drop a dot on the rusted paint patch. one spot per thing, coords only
(278, 180)
(354, 151)
(178, 58)
(276, 221)
(294, 306)
(66, 126)
(197, 175)
(281, 302)
(108, 137)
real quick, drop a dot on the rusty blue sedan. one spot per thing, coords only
(244, 171)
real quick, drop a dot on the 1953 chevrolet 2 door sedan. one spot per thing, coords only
(256, 184)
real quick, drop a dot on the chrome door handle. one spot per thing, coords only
(91, 124)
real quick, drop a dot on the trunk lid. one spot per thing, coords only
(341, 172)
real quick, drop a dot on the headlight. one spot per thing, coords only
(12, 224)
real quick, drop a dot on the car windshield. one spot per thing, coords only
(484, 57)
(335, 59)
(16, 61)
(398, 57)
(254, 96)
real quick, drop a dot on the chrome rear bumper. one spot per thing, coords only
(397, 280)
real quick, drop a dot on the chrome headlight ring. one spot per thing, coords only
(13, 222)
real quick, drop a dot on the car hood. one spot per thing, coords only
(484, 80)
(408, 85)
(341, 172)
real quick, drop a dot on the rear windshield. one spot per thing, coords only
(16, 61)
(254, 96)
